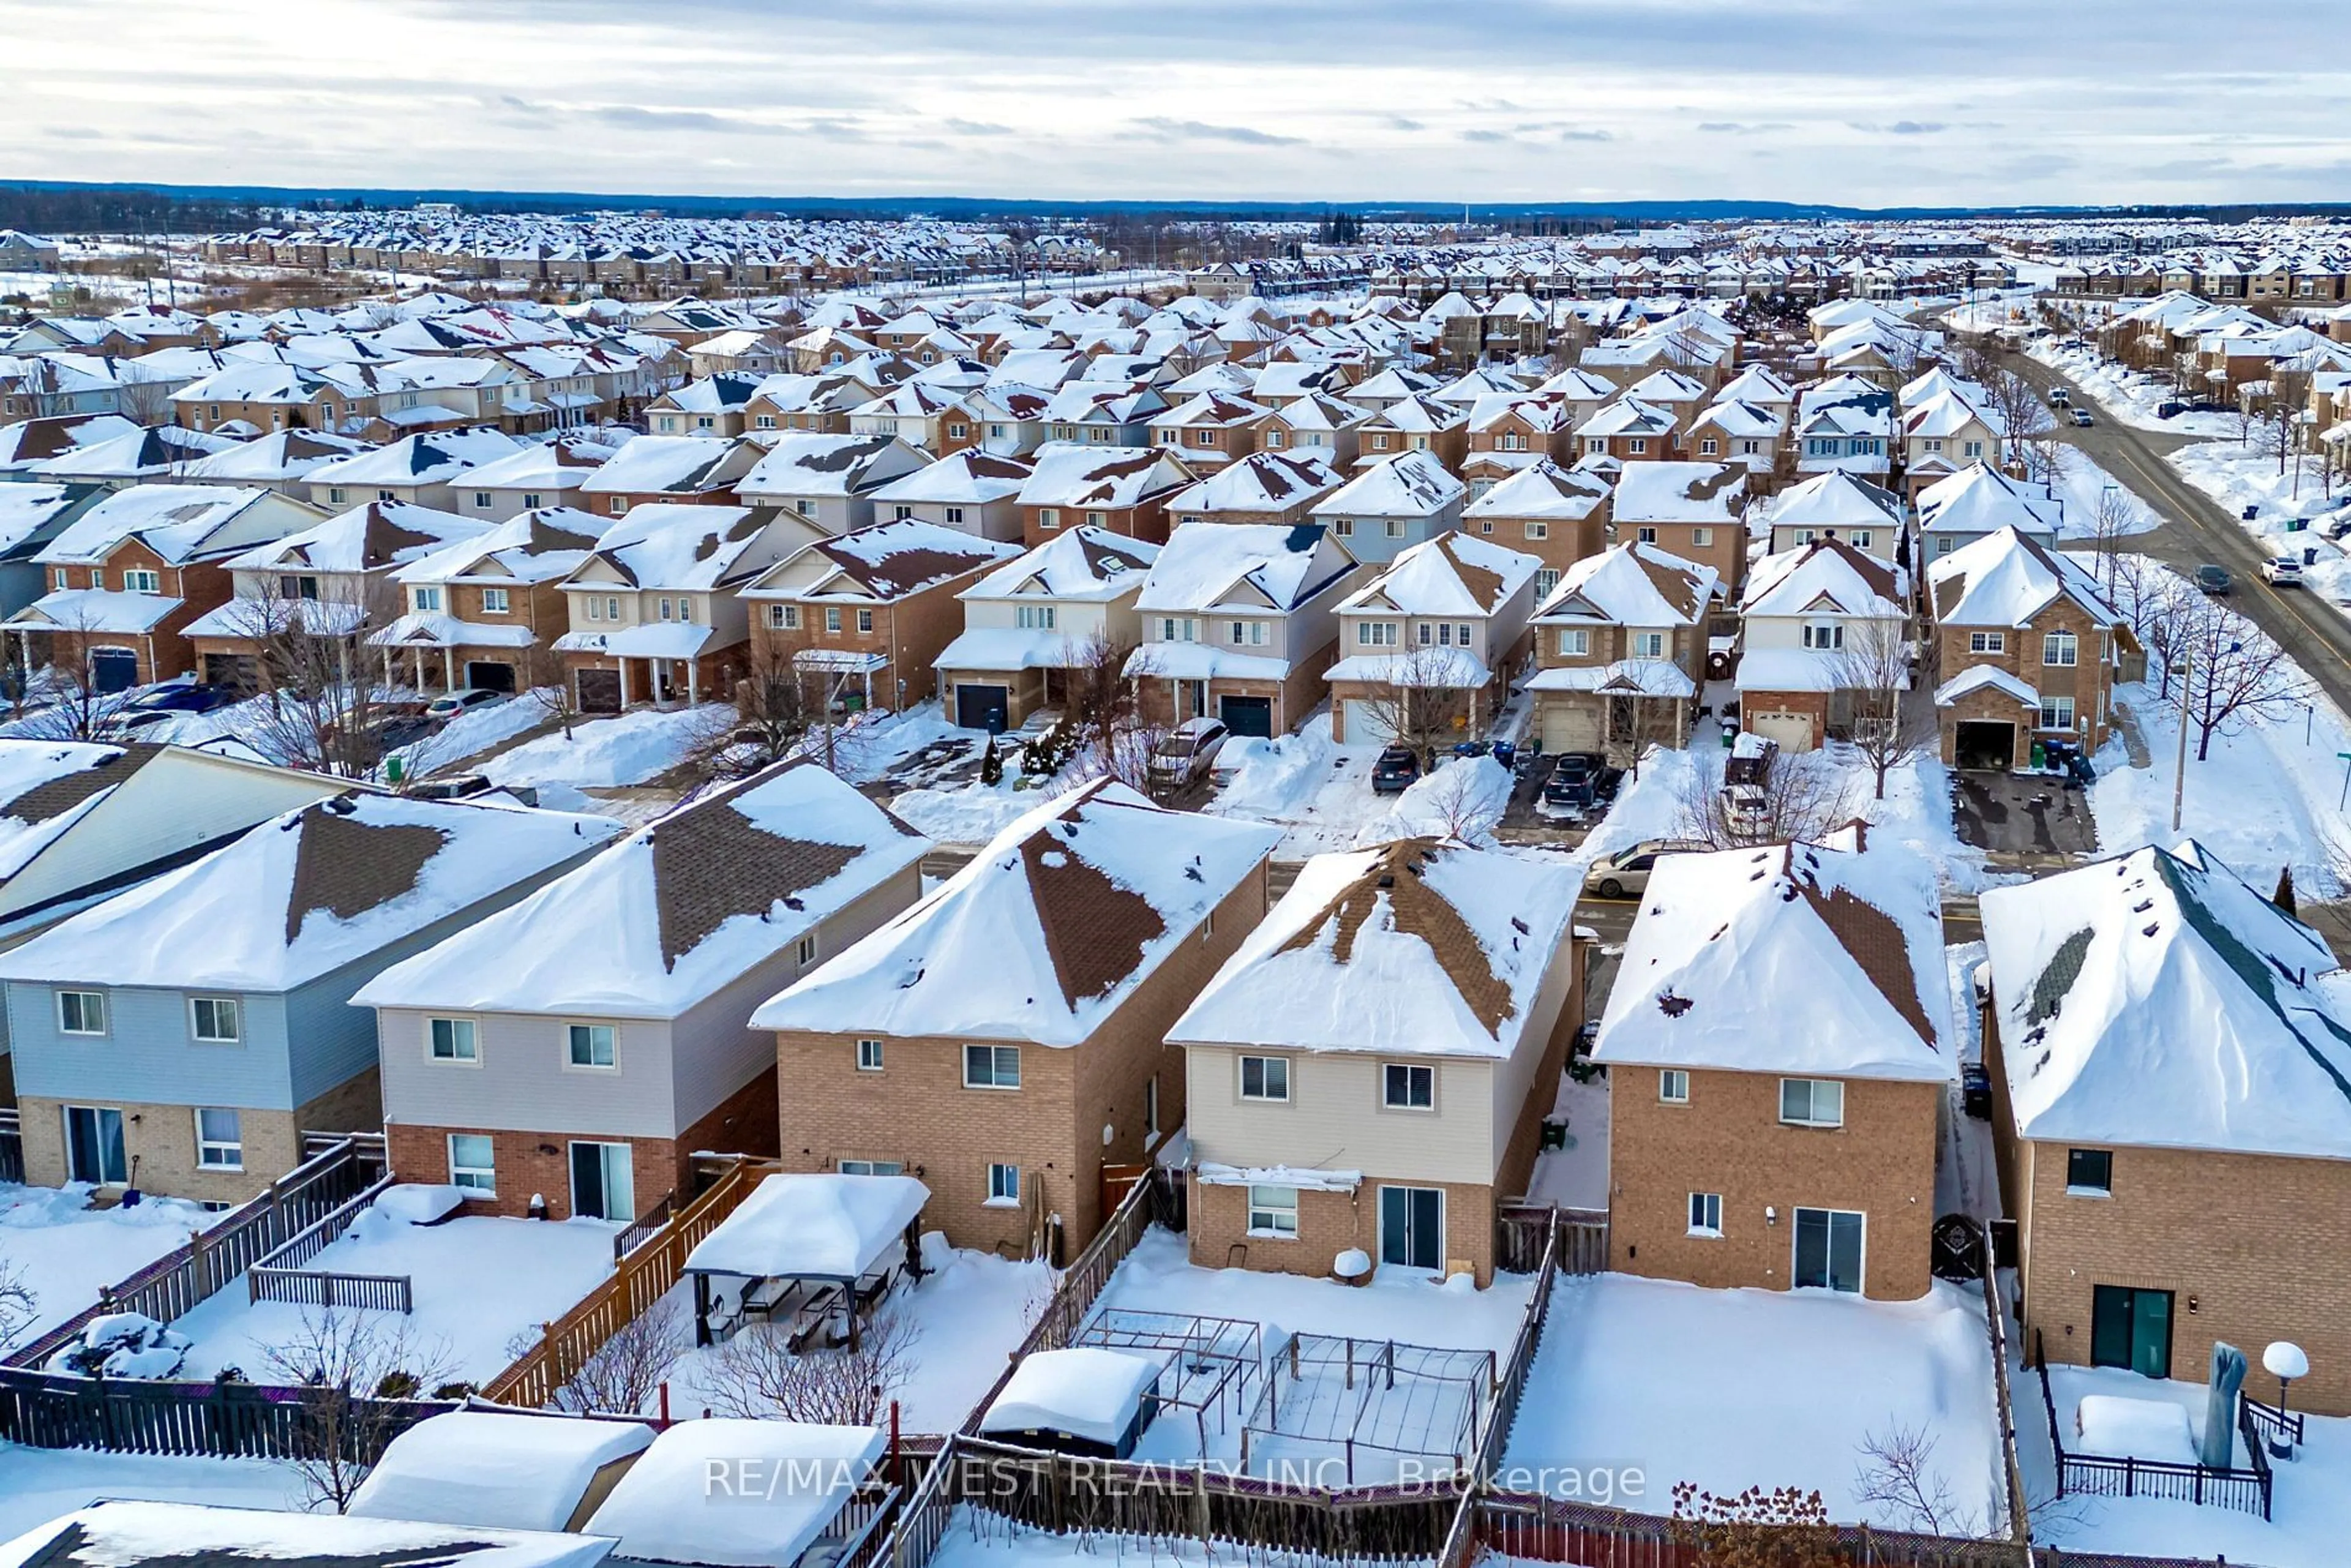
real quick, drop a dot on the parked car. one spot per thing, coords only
(1502, 751)
(2060, 396)
(2283, 570)
(2171, 408)
(1579, 781)
(2081, 416)
(126, 722)
(1975, 1090)
(181, 696)
(1184, 753)
(2215, 581)
(449, 705)
(1396, 770)
(1627, 870)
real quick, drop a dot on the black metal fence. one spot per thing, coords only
(2106, 1475)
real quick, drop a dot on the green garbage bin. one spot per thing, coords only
(2040, 756)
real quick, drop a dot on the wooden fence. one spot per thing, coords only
(2011, 1473)
(283, 1276)
(1525, 1232)
(641, 1278)
(244, 1421)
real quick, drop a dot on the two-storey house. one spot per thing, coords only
(485, 611)
(668, 471)
(1211, 428)
(973, 490)
(1239, 621)
(1839, 506)
(1392, 505)
(2030, 649)
(1620, 646)
(1559, 516)
(828, 481)
(1978, 502)
(423, 470)
(1263, 487)
(1817, 624)
(1117, 489)
(1694, 510)
(1432, 640)
(548, 473)
(1029, 623)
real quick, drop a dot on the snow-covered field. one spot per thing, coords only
(478, 1281)
(2291, 513)
(473, 732)
(605, 753)
(67, 1249)
(2310, 1507)
(1731, 1389)
(2264, 797)
(36, 1485)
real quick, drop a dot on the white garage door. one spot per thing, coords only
(1366, 726)
(1793, 731)
(1570, 727)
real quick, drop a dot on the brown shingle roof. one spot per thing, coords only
(1875, 941)
(1394, 878)
(347, 867)
(1095, 931)
(55, 797)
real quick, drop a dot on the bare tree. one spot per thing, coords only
(77, 704)
(1415, 701)
(550, 686)
(2155, 602)
(1782, 1527)
(757, 1375)
(1098, 695)
(2043, 457)
(2281, 428)
(350, 1368)
(625, 1374)
(1874, 667)
(143, 401)
(1897, 1475)
(2111, 520)
(1804, 795)
(322, 712)
(18, 1302)
(2236, 675)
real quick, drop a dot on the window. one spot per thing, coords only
(1151, 1106)
(1375, 633)
(611, 609)
(1639, 445)
(865, 620)
(1172, 628)
(1048, 516)
(2060, 650)
(618, 505)
(664, 608)
(805, 954)
(1574, 644)
(955, 516)
(1428, 634)
(1405, 1087)
(335, 497)
(869, 1167)
(1701, 537)
(1646, 536)
(1987, 642)
(900, 514)
(1462, 633)
(832, 618)
(2089, 1172)
(784, 617)
(215, 1019)
(1034, 617)
(140, 581)
(1344, 527)
(1824, 635)
(1828, 1246)
(1003, 1186)
(1812, 1101)
(1673, 1086)
(1538, 530)
(426, 599)
(1265, 1078)
(481, 500)
(1546, 579)
(869, 1056)
(592, 1045)
(60, 576)
(2057, 713)
(1379, 440)
(220, 1140)
(1708, 447)
(1395, 527)
(298, 587)
(1273, 1211)
(81, 1012)
(1649, 645)
(1706, 1214)
(991, 1067)
(453, 1041)
(494, 602)
(473, 1162)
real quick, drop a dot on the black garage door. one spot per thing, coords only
(489, 675)
(1985, 744)
(982, 707)
(1246, 716)
(599, 691)
(113, 670)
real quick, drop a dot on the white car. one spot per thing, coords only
(2284, 572)
(449, 705)
(1186, 752)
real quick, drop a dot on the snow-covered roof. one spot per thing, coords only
(274, 459)
(882, 562)
(173, 1534)
(665, 1509)
(506, 1469)
(970, 476)
(2157, 1001)
(365, 538)
(1266, 482)
(819, 1225)
(1071, 474)
(680, 545)
(1835, 501)
(1080, 563)
(1631, 585)
(1976, 678)
(439, 458)
(1824, 959)
(1621, 678)
(1701, 493)
(1825, 577)
(1980, 499)
(178, 522)
(46, 786)
(555, 465)
(1044, 934)
(2005, 578)
(668, 916)
(316, 888)
(1409, 485)
(1419, 946)
(539, 546)
(672, 464)
(1258, 566)
(1083, 1391)
(1544, 490)
(1454, 574)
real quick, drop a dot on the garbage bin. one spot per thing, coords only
(2310, 555)
(2040, 756)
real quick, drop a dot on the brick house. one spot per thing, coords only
(1778, 1071)
(485, 612)
(1371, 1070)
(1811, 618)
(1620, 647)
(863, 616)
(668, 470)
(792, 401)
(193, 1027)
(1740, 433)
(975, 491)
(2169, 1111)
(1318, 424)
(607, 1017)
(1393, 504)
(1239, 621)
(1630, 431)
(1211, 428)
(1118, 489)
(1978, 502)
(1512, 431)
(930, 418)
(1031, 623)
(828, 481)
(1417, 424)
(422, 470)
(1839, 506)
(1434, 638)
(1263, 487)
(1560, 516)
(1005, 1039)
(1694, 510)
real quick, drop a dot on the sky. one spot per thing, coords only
(1883, 103)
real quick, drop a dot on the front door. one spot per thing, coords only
(94, 1146)
(603, 1186)
(2131, 1328)
(1828, 1250)
(1412, 1226)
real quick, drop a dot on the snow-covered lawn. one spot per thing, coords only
(2128, 396)
(478, 1281)
(968, 1315)
(473, 732)
(2310, 1505)
(2264, 799)
(1730, 1389)
(2079, 484)
(36, 1485)
(67, 1250)
(605, 753)
(2238, 477)
(1317, 790)
(975, 1539)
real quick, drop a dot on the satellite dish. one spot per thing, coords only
(2284, 1358)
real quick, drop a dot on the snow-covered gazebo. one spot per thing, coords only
(815, 1229)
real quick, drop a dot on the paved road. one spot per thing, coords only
(2197, 530)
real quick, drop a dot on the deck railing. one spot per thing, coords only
(2104, 1475)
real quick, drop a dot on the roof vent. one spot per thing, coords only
(1387, 879)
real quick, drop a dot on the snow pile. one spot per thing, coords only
(973, 814)
(819, 1224)
(496, 1468)
(2126, 394)
(67, 1250)
(475, 731)
(607, 753)
(122, 1345)
(1084, 1391)
(1463, 799)
(674, 1507)
(2120, 1428)
(413, 1203)
(1319, 791)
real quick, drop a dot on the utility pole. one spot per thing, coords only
(2179, 774)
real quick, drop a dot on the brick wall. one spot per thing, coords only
(1729, 1139)
(2087, 680)
(1328, 1223)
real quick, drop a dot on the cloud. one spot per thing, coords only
(1398, 123)
(1574, 135)
(1742, 128)
(1485, 136)
(1899, 128)
(976, 128)
(630, 116)
(1161, 129)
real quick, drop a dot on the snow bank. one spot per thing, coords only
(2120, 1428)
(1318, 790)
(1463, 798)
(473, 732)
(67, 1250)
(413, 1203)
(792, 1479)
(607, 753)
(493, 1468)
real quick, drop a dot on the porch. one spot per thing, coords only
(665, 664)
(446, 654)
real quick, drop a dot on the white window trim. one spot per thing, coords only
(1707, 1232)
(1810, 1118)
(474, 1024)
(1241, 1081)
(1412, 1069)
(490, 1170)
(105, 1013)
(571, 1063)
(1669, 1079)
(237, 1012)
(991, 1086)
(196, 1115)
(1271, 1232)
(880, 1056)
(994, 1200)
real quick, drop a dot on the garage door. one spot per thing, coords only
(599, 690)
(490, 675)
(982, 707)
(113, 670)
(1570, 727)
(1246, 716)
(1985, 744)
(1793, 731)
(1366, 724)
(231, 672)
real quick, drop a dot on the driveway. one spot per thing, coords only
(2022, 814)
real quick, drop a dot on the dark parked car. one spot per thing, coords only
(1502, 751)
(1579, 781)
(2213, 580)
(181, 699)
(1396, 772)
(1975, 1090)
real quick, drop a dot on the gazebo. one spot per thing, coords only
(799, 1241)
